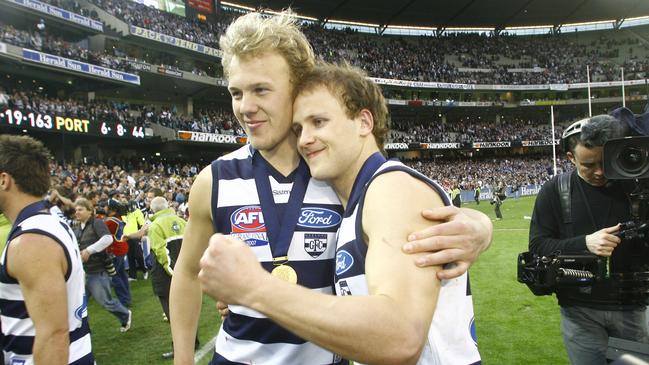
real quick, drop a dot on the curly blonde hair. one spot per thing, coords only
(255, 34)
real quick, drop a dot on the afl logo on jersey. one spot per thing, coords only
(344, 262)
(318, 218)
(248, 219)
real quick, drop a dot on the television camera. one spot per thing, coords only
(624, 159)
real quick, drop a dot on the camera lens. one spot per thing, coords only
(633, 159)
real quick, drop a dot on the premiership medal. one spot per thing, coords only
(285, 273)
(280, 228)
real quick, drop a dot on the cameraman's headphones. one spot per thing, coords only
(573, 129)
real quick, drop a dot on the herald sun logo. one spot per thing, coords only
(318, 218)
(248, 219)
(344, 262)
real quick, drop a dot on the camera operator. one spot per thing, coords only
(589, 314)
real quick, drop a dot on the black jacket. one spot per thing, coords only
(549, 234)
(93, 230)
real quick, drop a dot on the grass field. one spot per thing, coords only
(513, 326)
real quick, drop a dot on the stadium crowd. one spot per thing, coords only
(219, 120)
(56, 45)
(113, 58)
(140, 15)
(455, 58)
(490, 171)
(474, 130)
(480, 59)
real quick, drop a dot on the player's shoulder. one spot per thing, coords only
(30, 246)
(242, 153)
(398, 189)
(203, 180)
(397, 181)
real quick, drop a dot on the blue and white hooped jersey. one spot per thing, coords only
(451, 337)
(247, 336)
(18, 330)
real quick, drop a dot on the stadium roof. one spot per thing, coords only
(494, 14)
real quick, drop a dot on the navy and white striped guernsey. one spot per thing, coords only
(451, 338)
(17, 328)
(247, 336)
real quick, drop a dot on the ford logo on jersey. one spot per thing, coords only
(248, 219)
(80, 311)
(474, 335)
(344, 262)
(318, 218)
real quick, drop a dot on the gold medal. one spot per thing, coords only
(285, 273)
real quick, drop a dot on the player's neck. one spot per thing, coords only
(16, 204)
(344, 183)
(283, 157)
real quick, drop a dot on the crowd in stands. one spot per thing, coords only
(49, 43)
(115, 58)
(489, 172)
(219, 120)
(473, 130)
(480, 59)
(456, 58)
(206, 33)
(453, 58)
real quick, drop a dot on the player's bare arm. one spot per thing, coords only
(39, 265)
(464, 234)
(186, 297)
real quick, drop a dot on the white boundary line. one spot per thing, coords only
(207, 348)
